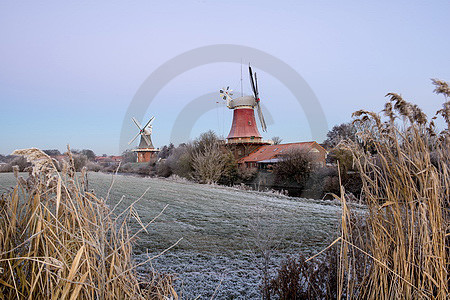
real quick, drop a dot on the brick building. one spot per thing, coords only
(267, 155)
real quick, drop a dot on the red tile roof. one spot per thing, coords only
(107, 158)
(272, 151)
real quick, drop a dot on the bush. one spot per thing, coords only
(129, 156)
(163, 169)
(208, 164)
(166, 151)
(318, 277)
(230, 173)
(20, 162)
(90, 155)
(144, 169)
(323, 181)
(79, 161)
(247, 174)
(126, 168)
(94, 167)
(5, 168)
(339, 133)
(180, 161)
(204, 160)
(52, 152)
(301, 279)
(293, 169)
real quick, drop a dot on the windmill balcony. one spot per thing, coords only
(248, 140)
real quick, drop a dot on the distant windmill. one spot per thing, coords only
(145, 150)
(145, 132)
(244, 128)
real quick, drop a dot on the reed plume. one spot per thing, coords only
(404, 165)
(59, 241)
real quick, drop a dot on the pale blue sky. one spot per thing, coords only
(68, 70)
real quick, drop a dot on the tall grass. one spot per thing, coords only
(59, 241)
(404, 164)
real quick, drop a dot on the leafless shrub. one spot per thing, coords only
(294, 166)
(20, 162)
(179, 161)
(93, 167)
(79, 161)
(277, 140)
(129, 156)
(208, 164)
(163, 169)
(5, 168)
(247, 174)
(339, 133)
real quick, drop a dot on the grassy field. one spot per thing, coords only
(224, 231)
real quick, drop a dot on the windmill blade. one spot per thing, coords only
(134, 138)
(147, 140)
(149, 122)
(256, 88)
(225, 93)
(251, 80)
(137, 123)
(261, 118)
(222, 94)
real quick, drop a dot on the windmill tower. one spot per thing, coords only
(145, 151)
(244, 136)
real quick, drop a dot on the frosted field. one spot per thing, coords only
(223, 230)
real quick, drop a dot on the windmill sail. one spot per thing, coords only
(254, 84)
(145, 132)
(261, 118)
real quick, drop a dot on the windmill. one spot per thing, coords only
(244, 127)
(145, 150)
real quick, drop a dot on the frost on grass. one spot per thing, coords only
(218, 253)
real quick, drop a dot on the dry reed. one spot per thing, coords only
(59, 241)
(404, 164)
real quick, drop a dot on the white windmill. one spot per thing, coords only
(145, 150)
(145, 132)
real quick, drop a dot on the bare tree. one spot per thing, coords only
(79, 161)
(277, 140)
(90, 155)
(344, 131)
(52, 152)
(293, 166)
(129, 156)
(179, 161)
(208, 164)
